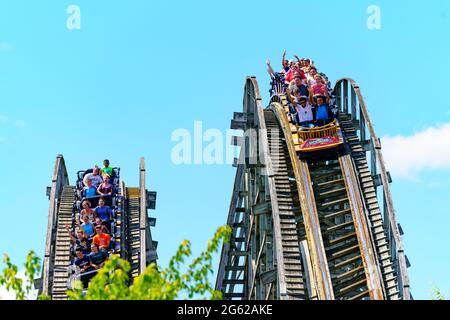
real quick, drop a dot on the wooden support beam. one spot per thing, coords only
(239, 121)
(269, 276)
(262, 208)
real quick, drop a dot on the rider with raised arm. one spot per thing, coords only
(81, 241)
(305, 116)
(270, 69)
(284, 63)
(292, 71)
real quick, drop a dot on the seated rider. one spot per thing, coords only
(322, 111)
(292, 71)
(87, 226)
(101, 239)
(310, 76)
(89, 191)
(81, 260)
(106, 168)
(304, 112)
(106, 188)
(297, 84)
(94, 176)
(86, 205)
(97, 257)
(104, 212)
(307, 63)
(99, 222)
(81, 241)
(320, 88)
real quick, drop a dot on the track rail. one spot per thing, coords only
(329, 188)
(374, 215)
(285, 211)
(133, 229)
(62, 245)
(307, 200)
(353, 108)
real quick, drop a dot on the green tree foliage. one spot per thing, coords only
(112, 282)
(436, 294)
(11, 281)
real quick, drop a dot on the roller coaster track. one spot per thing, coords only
(133, 234)
(62, 245)
(314, 227)
(133, 238)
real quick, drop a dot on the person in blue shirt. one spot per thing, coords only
(322, 111)
(83, 262)
(97, 257)
(87, 227)
(104, 212)
(89, 191)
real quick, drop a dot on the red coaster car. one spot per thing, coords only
(320, 138)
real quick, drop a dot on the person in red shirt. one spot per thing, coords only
(102, 240)
(291, 73)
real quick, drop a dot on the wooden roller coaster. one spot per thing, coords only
(311, 220)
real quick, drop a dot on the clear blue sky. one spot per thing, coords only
(138, 70)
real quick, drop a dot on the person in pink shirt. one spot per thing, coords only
(319, 89)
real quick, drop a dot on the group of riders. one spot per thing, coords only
(308, 92)
(91, 239)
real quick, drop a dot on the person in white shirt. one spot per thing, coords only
(94, 177)
(304, 111)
